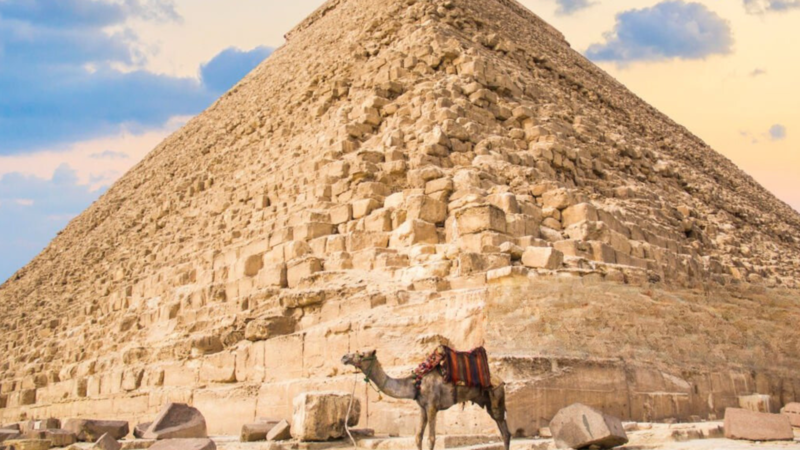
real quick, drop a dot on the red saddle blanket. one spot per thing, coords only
(460, 368)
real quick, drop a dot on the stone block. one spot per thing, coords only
(578, 213)
(379, 220)
(792, 410)
(280, 432)
(542, 258)
(184, 444)
(177, 421)
(299, 268)
(106, 442)
(253, 264)
(475, 219)
(321, 416)
(557, 198)
(755, 402)
(140, 429)
(253, 432)
(757, 426)
(218, 368)
(26, 444)
(309, 231)
(6, 434)
(487, 241)
(341, 214)
(362, 208)
(413, 232)
(425, 208)
(90, 430)
(580, 426)
(264, 328)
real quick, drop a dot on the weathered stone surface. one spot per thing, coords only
(177, 421)
(542, 258)
(27, 444)
(6, 434)
(264, 328)
(106, 442)
(792, 410)
(280, 432)
(90, 430)
(321, 416)
(755, 402)
(481, 218)
(580, 426)
(757, 426)
(184, 444)
(140, 429)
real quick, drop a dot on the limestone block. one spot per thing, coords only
(480, 218)
(482, 262)
(341, 214)
(602, 252)
(132, 379)
(253, 264)
(439, 185)
(361, 208)
(321, 416)
(273, 275)
(89, 430)
(140, 429)
(313, 230)
(413, 232)
(106, 442)
(184, 444)
(589, 231)
(208, 344)
(6, 434)
(580, 426)
(519, 225)
(26, 444)
(253, 432)
(379, 220)
(360, 240)
(177, 421)
(280, 432)
(266, 327)
(756, 426)
(487, 241)
(578, 213)
(755, 402)
(46, 424)
(792, 410)
(425, 208)
(507, 202)
(219, 368)
(542, 258)
(557, 198)
(299, 268)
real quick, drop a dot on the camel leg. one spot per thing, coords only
(503, 426)
(432, 427)
(423, 422)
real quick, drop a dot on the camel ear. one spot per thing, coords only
(370, 353)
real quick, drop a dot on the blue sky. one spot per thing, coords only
(88, 87)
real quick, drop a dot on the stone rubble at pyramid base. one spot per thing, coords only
(406, 173)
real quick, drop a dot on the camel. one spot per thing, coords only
(435, 395)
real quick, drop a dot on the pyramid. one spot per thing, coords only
(402, 174)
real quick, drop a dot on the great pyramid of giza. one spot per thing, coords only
(401, 174)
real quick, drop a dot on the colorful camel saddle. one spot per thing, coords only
(460, 368)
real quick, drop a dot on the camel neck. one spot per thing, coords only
(393, 387)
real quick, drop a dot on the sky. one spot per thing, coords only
(89, 87)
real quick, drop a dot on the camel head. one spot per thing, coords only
(356, 359)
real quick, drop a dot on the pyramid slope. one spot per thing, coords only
(382, 171)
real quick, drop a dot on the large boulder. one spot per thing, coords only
(756, 426)
(90, 430)
(580, 426)
(792, 410)
(321, 416)
(184, 444)
(177, 421)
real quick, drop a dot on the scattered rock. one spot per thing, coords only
(756, 426)
(252, 432)
(321, 416)
(106, 442)
(140, 429)
(580, 426)
(177, 421)
(90, 430)
(280, 432)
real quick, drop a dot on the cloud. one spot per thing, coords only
(777, 132)
(33, 210)
(567, 7)
(108, 154)
(765, 6)
(50, 97)
(758, 73)
(671, 29)
(230, 66)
